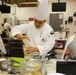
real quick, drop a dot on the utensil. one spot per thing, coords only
(6, 65)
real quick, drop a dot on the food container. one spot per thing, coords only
(31, 67)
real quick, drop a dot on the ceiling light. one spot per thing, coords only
(15, 5)
(39, 0)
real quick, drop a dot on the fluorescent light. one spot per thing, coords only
(39, 0)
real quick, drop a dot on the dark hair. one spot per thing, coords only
(5, 20)
(70, 19)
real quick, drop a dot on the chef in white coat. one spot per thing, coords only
(7, 26)
(37, 32)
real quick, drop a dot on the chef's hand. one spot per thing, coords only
(20, 36)
(32, 49)
(25, 37)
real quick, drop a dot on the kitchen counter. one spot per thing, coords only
(17, 69)
(50, 67)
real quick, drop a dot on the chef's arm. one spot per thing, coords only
(18, 31)
(21, 36)
(42, 49)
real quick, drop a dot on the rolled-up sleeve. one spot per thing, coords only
(20, 29)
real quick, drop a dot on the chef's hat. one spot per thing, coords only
(42, 10)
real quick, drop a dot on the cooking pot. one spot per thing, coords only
(6, 65)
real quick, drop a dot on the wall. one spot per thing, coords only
(24, 13)
(10, 15)
(70, 9)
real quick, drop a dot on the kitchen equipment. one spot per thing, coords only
(27, 44)
(6, 65)
(17, 61)
(31, 67)
(66, 67)
(26, 55)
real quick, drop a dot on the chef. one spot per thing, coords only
(7, 26)
(37, 32)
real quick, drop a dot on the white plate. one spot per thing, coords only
(56, 74)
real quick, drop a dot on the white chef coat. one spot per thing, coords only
(39, 38)
(7, 26)
(2, 47)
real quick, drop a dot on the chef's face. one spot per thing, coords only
(39, 23)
